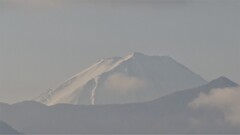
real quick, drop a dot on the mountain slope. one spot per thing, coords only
(6, 129)
(134, 78)
(169, 114)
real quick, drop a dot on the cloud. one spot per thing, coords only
(226, 100)
(124, 83)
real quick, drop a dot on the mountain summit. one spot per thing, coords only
(134, 78)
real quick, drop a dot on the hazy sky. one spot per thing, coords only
(44, 42)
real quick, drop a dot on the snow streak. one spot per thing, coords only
(94, 91)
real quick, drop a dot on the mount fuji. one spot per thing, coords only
(120, 80)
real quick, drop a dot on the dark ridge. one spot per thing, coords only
(29, 103)
(223, 81)
(6, 129)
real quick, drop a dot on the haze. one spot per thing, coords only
(42, 42)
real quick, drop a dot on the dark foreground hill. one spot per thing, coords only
(175, 113)
(6, 129)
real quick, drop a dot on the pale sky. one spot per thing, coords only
(44, 42)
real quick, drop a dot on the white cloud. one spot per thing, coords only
(226, 100)
(124, 83)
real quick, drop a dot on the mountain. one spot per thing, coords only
(171, 114)
(6, 129)
(133, 78)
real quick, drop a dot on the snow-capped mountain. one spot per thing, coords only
(119, 80)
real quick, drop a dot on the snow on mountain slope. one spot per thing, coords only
(134, 78)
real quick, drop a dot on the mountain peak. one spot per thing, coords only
(134, 78)
(135, 55)
(223, 81)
